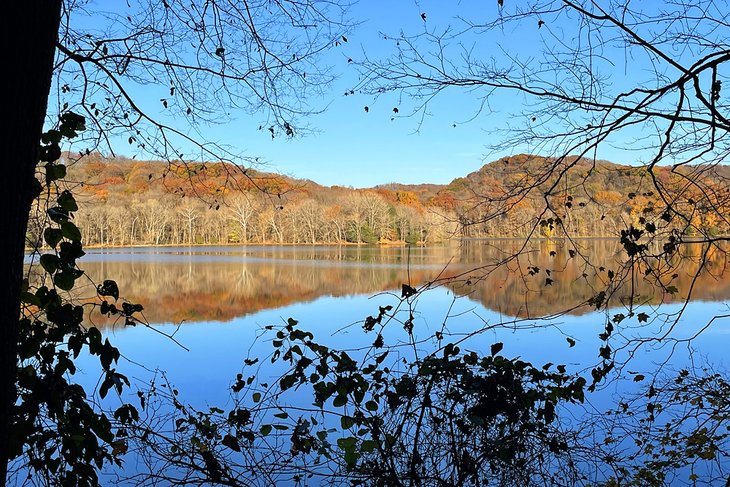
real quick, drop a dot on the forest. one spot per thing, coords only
(129, 202)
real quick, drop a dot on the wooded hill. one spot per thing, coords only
(125, 202)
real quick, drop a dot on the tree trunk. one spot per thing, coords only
(30, 32)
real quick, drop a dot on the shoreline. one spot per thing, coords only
(394, 243)
(384, 244)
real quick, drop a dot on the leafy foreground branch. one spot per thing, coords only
(58, 433)
(450, 418)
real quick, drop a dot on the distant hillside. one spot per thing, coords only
(425, 192)
(123, 177)
(592, 198)
(584, 176)
(126, 202)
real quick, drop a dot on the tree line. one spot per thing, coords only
(361, 218)
(130, 202)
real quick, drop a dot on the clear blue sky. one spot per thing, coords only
(354, 148)
(350, 147)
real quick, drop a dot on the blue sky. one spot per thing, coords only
(351, 147)
(347, 146)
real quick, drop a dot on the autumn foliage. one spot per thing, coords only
(128, 202)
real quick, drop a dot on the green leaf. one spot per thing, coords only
(50, 137)
(496, 348)
(266, 429)
(287, 382)
(57, 214)
(67, 202)
(368, 446)
(108, 354)
(231, 442)
(30, 298)
(64, 280)
(347, 422)
(105, 386)
(70, 231)
(55, 171)
(256, 396)
(49, 153)
(407, 291)
(50, 263)
(71, 124)
(52, 236)
(70, 251)
(129, 308)
(347, 443)
(126, 414)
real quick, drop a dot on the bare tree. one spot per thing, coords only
(189, 214)
(241, 211)
(207, 58)
(585, 76)
(666, 107)
(310, 216)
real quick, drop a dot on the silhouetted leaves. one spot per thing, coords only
(407, 291)
(231, 442)
(108, 288)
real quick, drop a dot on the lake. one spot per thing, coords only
(217, 302)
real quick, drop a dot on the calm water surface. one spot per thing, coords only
(217, 302)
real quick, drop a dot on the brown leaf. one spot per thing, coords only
(231, 442)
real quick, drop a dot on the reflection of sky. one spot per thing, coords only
(216, 350)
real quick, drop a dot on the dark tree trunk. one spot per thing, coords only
(30, 31)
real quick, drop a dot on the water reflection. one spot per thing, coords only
(215, 286)
(179, 284)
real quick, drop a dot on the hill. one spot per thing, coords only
(125, 202)
(526, 194)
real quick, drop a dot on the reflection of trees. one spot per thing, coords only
(553, 276)
(198, 287)
(198, 290)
